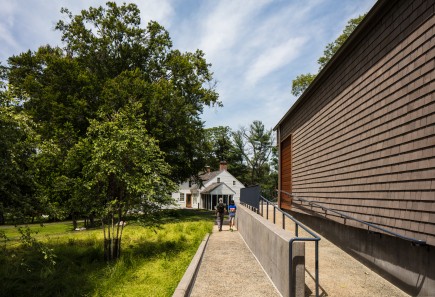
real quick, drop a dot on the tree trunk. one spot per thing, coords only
(2, 218)
(92, 220)
(74, 221)
(112, 249)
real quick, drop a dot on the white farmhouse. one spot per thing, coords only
(216, 184)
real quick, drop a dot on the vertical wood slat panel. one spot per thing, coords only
(286, 172)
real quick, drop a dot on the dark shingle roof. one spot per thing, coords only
(211, 187)
(209, 175)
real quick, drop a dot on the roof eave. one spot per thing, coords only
(349, 42)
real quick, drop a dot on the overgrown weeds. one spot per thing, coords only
(151, 264)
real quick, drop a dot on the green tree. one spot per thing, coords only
(255, 145)
(333, 47)
(173, 87)
(301, 82)
(269, 184)
(217, 145)
(17, 146)
(56, 90)
(115, 175)
(109, 62)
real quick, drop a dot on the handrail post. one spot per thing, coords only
(317, 267)
(261, 200)
(267, 210)
(315, 238)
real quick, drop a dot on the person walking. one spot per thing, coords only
(220, 212)
(232, 214)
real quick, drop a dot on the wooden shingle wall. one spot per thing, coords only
(363, 142)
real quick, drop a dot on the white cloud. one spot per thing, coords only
(256, 47)
(160, 11)
(7, 19)
(274, 58)
(29, 24)
(226, 24)
(6, 38)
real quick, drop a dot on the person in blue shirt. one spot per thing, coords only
(232, 213)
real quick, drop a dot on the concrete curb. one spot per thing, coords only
(185, 285)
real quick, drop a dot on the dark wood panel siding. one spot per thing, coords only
(364, 139)
(286, 172)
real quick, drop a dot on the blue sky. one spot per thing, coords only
(256, 47)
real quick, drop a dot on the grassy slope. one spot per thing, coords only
(152, 261)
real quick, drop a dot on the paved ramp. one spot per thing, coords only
(229, 268)
(339, 273)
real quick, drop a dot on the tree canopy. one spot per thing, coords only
(17, 146)
(254, 144)
(116, 111)
(109, 60)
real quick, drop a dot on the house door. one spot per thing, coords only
(189, 200)
(286, 173)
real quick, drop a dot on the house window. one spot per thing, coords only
(218, 179)
(190, 183)
(181, 197)
(234, 182)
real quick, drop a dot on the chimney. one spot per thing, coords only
(207, 168)
(223, 166)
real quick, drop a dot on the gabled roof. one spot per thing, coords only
(214, 186)
(209, 175)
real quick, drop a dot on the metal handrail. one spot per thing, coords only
(315, 238)
(345, 216)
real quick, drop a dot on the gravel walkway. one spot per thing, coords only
(229, 268)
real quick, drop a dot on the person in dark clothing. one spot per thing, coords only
(220, 212)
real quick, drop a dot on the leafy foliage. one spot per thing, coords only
(254, 144)
(333, 47)
(301, 83)
(114, 173)
(217, 146)
(112, 108)
(108, 61)
(17, 146)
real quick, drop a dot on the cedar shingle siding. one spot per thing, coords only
(364, 139)
(363, 134)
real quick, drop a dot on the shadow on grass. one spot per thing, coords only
(186, 215)
(80, 269)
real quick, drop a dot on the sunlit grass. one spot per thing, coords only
(42, 230)
(152, 263)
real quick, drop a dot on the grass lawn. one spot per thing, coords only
(152, 261)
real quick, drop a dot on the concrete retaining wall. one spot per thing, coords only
(270, 244)
(185, 285)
